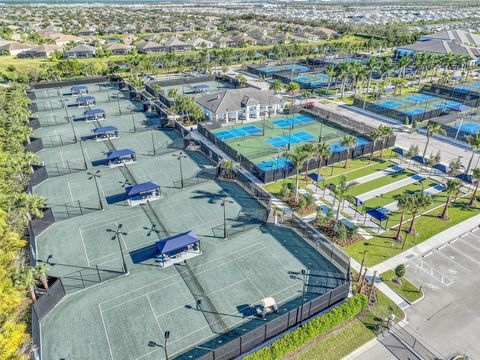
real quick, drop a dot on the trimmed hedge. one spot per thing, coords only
(318, 326)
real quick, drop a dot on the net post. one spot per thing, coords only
(98, 273)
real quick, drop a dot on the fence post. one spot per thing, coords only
(80, 207)
(81, 278)
(68, 166)
(66, 209)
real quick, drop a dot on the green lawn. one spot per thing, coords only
(340, 343)
(366, 169)
(406, 290)
(358, 332)
(383, 181)
(379, 248)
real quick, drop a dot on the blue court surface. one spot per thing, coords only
(471, 128)
(415, 98)
(293, 138)
(337, 147)
(414, 111)
(299, 68)
(238, 132)
(294, 120)
(391, 104)
(275, 164)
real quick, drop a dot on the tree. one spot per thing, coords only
(385, 67)
(474, 142)
(41, 274)
(454, 167)
(242, 80)
(25, 279)
(420, 200)
(375, 134)
(452, 188)
(404, 202)
(323, 153)
(402, 65)
(386, 132)
(371, 65)
(330, 71)
(400, 271)
(276, 85)
(298, 159)
(309, 150)
(343, 73)
(342, 193)
(348, 142)
(432, 129)
(476, 179)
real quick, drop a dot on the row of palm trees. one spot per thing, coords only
(352, 74)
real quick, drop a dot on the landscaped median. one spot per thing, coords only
(401, 286)
(318, 326)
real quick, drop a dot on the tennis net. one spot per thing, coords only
(214, 319)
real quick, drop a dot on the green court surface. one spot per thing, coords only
(108, 315)
(255, 148)
(380, 182)
(376, 165)
(197, 89)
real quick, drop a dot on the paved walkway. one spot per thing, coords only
(378, 174)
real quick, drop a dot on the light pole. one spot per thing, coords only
(304, 275)
(179, 157)
(224, 205)
(166, 336)
(70, 120)
(118, 103)
(94, 176)
(118, 233)
(83, 154)
(153, 143)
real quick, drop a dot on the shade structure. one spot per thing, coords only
(85, 98)
(119, 153)
(79, 89)
(441, 167)
(377, 214)
(141, 188)
(315, 177)
(104, 129)
(91, 112)
(176, 242)
(400, 151)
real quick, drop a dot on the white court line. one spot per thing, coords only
(154, 315)
(176, 275)
(106, 333)
(84, 248)
(109, 221)
(70, 190)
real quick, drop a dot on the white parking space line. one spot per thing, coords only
(452, 260)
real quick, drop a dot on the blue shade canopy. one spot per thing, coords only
(78, 88)
(377, 214)
(176, 242)
(441, 167)
(85, 98)
(119, 153)
(141, 188)
(104, 129)
(400, 151)
(315, 177)
(93, 112)
(201, 87)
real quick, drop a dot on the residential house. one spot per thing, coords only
(62, 39)
(174, 44)
(240, 104)
(325, 33)
(14, 48)
(86, 32)
(150, 47)
(111, 30)
(118, 49)
(129, 29)
(41, 51)
(81, 51)
(129, 39)
(200, 43)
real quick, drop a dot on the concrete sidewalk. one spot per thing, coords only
(390, 187)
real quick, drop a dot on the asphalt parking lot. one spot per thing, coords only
(448, 318)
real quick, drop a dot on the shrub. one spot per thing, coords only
(342, 232)
(302, 202)
(318, 326)
(400, 271)
(285, 190)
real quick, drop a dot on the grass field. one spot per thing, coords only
(380, 248)
(406, 289)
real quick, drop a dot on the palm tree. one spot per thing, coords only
(374, 135)
(330, 71)
(323, 153)
(452, 187)
(385, 67)
(309, 150)
(242, 80)
(342, 193)
(420, 200)
(298, 159)
(454, 167)
(402, 64)
(343, 72)
(386, 132)
(476, 179)
(172, 93)
(474, 142)
(25, 279)
(371, 65)
(432, 129)
(293, 90)
(276, 86)
(41, 274)
(404, 202)
(31, 206)
(349, 142)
